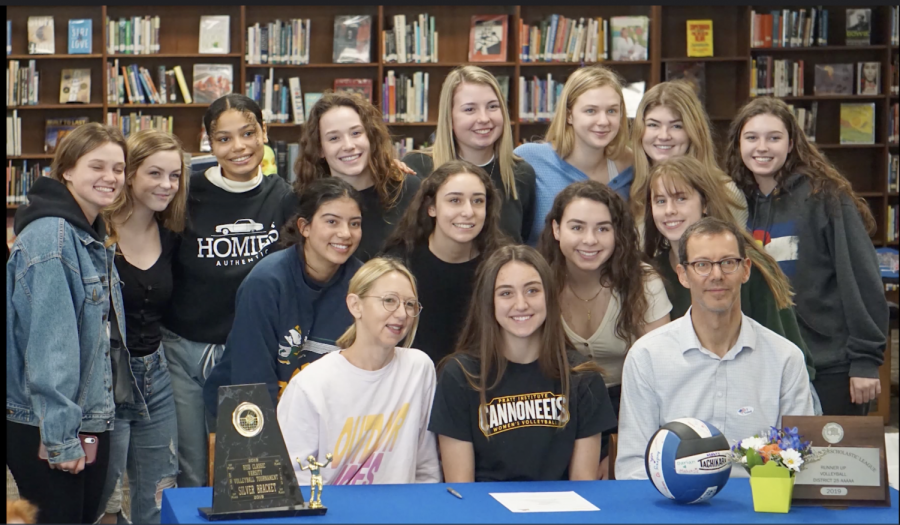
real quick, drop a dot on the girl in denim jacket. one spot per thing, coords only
(63, 300)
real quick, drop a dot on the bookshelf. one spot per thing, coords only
(728, 71)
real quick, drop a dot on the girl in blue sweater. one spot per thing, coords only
(290, 309)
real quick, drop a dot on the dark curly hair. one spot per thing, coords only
(416, 226)
(623, 272)
(311, 165)
(317, 193)
(804, 158)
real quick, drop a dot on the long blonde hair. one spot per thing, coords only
(444, 149)
(141, 145)
(688, 175)
(679, 98)
(363, 280)
(561, 135)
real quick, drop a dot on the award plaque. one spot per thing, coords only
(253, 475)
(852, 470)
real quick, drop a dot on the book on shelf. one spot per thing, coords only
(868, 75)
(405, 97)
(403, 146)
(488, 38)
(895, 74)
(503, 82)
(699, 38)
(894, 116)
(75, 86)
(19, 180)
(893, 178)
(279, 42)
(40, 35)
(833, 79)
(279, 100)
(632, 94)
(858, 123)
(807, 118)
(183, 85)
(859, 27)
(80, 41)
(561, 39)
(694, 73)
(805, 27)
(411, 43)
(893, 223)
(8, 37)
(630, 37)
(22, 84)
(538, 97)
(135, 121)
(215, 35)
(57, 128)
(134, 35)
(14, 134)
(309, 100)
(895, 25)
(352, 39)
(362, 86)
(778, 77)
(211, 81)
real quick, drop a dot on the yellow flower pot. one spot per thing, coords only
(772, 494)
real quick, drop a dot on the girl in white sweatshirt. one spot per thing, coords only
(369, 404)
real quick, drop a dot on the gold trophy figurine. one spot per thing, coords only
(315, 502)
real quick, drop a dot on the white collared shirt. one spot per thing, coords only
(669, 375)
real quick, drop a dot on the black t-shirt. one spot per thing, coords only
(444, 291)
(146, 295)
(524, 418)
(225, 235)
(378, 224)
(516, 216)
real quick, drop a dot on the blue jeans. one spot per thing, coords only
(189, 365)
(147, 448)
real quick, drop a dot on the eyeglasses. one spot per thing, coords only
(391, 302)
(727, 265)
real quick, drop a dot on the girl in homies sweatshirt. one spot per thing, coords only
(290, 310)
(369, 404)
(809, 219)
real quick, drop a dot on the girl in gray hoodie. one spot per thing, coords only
(809, 219)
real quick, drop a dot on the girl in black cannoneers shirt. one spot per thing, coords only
(515, 402)
(450, 226)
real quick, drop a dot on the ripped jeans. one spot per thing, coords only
(146, 448)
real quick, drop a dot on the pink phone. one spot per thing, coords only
(88, 444)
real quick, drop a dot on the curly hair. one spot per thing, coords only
(804, 158)
(623, 272)
(311, 165)
(416, 226)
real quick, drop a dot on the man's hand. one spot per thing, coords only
(864, 389)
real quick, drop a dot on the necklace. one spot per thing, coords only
(586, 301)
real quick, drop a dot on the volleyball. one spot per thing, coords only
(688, 460)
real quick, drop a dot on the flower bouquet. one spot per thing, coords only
(772, 459)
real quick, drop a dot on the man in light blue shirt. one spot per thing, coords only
(714, 363)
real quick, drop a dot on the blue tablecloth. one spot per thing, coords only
(619, 502)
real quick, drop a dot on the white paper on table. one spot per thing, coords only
(543, 501)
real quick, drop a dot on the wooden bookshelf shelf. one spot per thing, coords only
(870, 194)
(814, 49)
(173, 55)
(849, 146)
(161, 106)
(30, 156)
(54, 57)
(57, 106)
(392, 65)
(578, 64)
(707, 59)
(12, 206)
(846, 98)
(312, 66)
(282, 125)
(411, 124)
